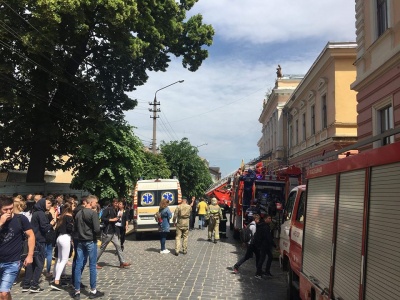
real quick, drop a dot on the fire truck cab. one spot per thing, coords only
(340, 238)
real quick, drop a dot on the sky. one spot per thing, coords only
(218, 106)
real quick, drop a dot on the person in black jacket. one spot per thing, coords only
(264, 242)
(222, 225)
(75, 240)
(87, 227)
(251, 248)
(193, 203)
(40, 224)
(122, 223)
(110, 234)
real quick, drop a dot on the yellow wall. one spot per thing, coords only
(345, 98)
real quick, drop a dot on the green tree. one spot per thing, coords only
(184, 162)
(155, 166)
(65, 68)
(108, 163)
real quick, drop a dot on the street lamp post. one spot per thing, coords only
(155, 110)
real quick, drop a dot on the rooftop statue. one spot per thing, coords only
(279, 72)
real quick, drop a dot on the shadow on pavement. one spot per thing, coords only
(152, 250)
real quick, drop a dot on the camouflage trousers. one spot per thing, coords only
(181, 233)
(213, 227)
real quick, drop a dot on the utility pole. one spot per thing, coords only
(155, 110)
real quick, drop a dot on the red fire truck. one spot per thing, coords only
(274, 184)
(339, 236)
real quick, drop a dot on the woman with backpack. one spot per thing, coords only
(64, 228)
(166, 215)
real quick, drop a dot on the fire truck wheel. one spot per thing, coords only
(291, 292)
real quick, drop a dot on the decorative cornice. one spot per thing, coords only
(322, 82)
(311, 94)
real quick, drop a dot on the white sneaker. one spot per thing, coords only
(165, 251)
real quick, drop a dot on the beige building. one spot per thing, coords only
(378, 69)
(321, 112)
(272, 144)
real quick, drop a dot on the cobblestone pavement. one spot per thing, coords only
(204, 273)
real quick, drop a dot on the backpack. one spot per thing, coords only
(246, 235)
(157, 217)
(102, 225)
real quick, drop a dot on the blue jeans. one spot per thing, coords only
(201, 221)
(74, 262)
(163, 238)
(8, 274)
(85, 250)
(49, 257)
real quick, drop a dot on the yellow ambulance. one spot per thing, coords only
(146, 200)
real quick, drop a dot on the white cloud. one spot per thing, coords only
(220, 103)
(266, 21)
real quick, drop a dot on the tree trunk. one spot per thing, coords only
(37, 162)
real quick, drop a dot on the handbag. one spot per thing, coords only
(51, 236)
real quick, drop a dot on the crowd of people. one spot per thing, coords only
(35, 230)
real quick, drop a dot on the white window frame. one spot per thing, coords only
(376, 118)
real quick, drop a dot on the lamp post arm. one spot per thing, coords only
(155, 94)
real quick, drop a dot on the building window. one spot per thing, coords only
(324, 117)
(290, 136)
(385, 117)
(381, 16)
(297, 132)
(312, 119)
(304, 127)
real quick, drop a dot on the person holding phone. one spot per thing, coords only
(12, 230)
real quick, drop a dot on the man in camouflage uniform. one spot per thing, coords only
(214, 213)
(181, 222)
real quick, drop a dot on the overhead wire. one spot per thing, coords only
(168, 123)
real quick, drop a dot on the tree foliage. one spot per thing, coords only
(65, 68)
(184, 162)
(109, 162)
(155, 166)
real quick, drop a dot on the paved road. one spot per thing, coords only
(204, 273)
